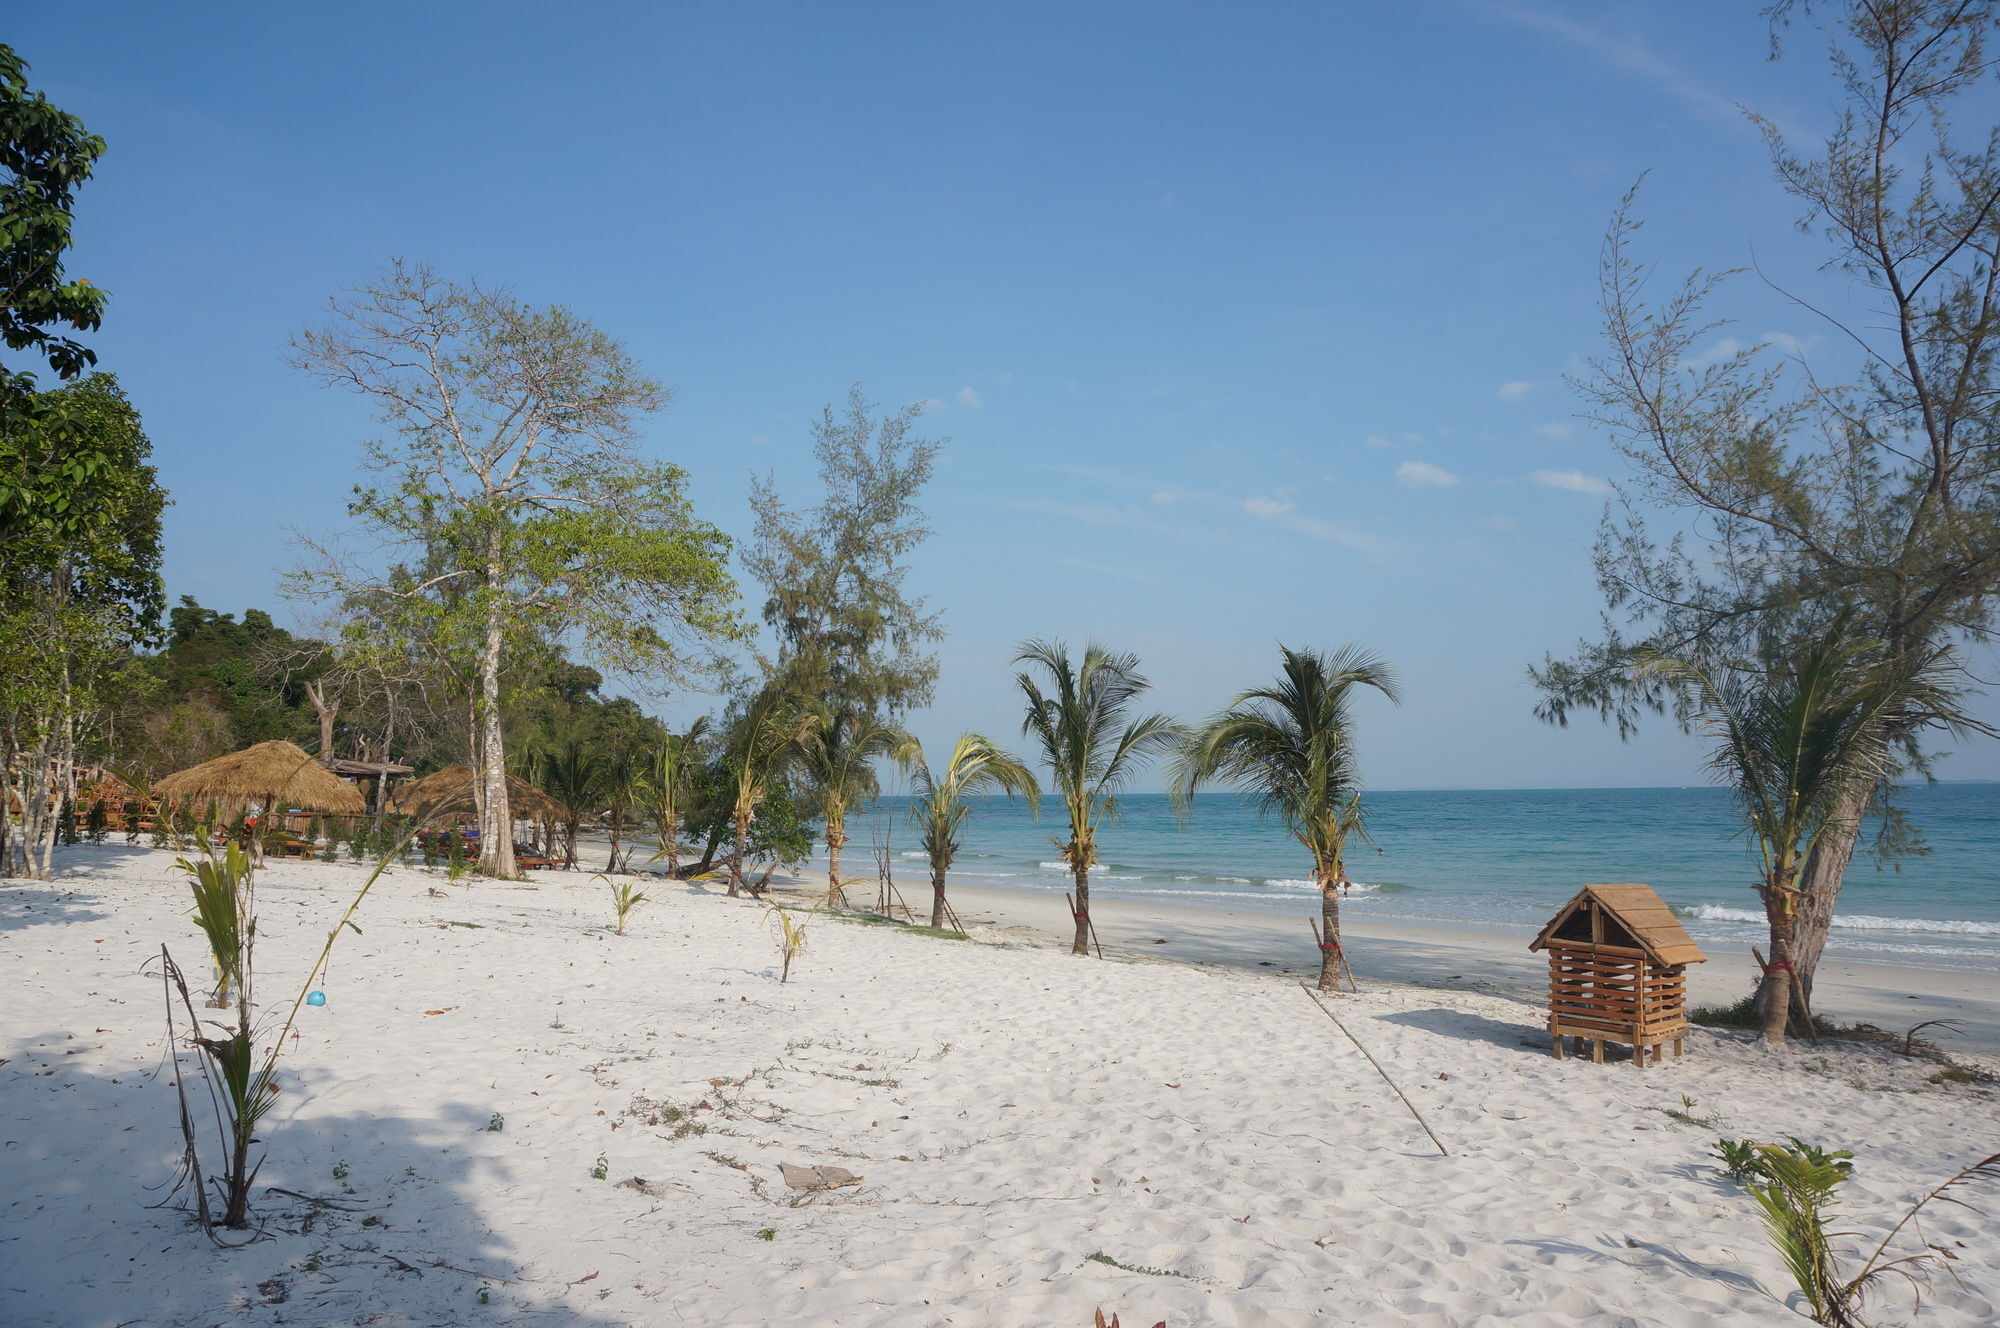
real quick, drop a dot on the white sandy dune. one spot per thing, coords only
(1012, 1112)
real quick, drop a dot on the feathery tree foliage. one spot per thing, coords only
(938, 798)
(1801, 744)
(1290, 746)
(1093, 744)
(1796, 492)
(516, 485)
(848, 634)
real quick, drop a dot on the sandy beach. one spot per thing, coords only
(1036, 1135)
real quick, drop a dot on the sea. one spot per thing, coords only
(1495, 859)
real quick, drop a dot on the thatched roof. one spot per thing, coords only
(1627, 917)
(449, 793)
(278, 773)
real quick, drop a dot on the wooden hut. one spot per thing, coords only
(272, 776)
(1618, 959)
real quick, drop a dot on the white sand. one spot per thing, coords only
(1012, 1110)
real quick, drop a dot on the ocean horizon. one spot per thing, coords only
(1497, 858)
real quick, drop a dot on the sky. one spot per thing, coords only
(1246, 323)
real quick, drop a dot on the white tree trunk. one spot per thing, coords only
(496, 821)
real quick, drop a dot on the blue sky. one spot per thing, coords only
(1248, 323)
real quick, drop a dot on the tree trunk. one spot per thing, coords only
(937, 894)
(1080, 866)
(836, 839)
(327, 711)
(1331, 956)
(736, 852)
(496, 820)
(1774, 995)
(617, 826)
(1819, 886)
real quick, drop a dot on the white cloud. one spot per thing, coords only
(1515, 390)
(1282, 512)
(930, 406)
(1498, 522)
(969, 399)
(1422, 474)
(1166, 497)
(1377, 440)
(1575, 481)
(1622, 56)
(1555, 429)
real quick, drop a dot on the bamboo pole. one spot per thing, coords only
(1442, 1150)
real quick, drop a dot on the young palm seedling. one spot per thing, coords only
(625, 897)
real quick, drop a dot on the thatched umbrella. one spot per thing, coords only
(276, 775)
(450, 792)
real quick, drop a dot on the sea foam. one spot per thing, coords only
(1850, 921)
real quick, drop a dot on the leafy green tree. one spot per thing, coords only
(572, 772)
(45, 154)
(1092, 742)
(516, 484)
(79, 586)
(1801, 743)
(939, 798)
(1290, 746)
(1791, 492)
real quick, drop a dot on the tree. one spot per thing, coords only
(79, 586)
(1801, 744)
(1092, 743)
(939, 798)
(1796, 493)
(1290, 746)
(667, 786)
(764, 745)
(839, 756)
(516, 481)
(572, 771)
(45, 154)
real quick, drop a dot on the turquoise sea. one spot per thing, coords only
(1503, 859)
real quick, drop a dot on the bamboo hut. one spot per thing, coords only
(271, 776)
(450, 793)
(116, 797)
(1618, 960)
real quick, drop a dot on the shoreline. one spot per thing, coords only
(1498, 963)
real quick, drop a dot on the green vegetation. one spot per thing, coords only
(1290, 745)
(939, 800)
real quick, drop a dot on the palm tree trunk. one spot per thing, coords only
(1331, 957)
(836, 839)
(937, 894)
(617, 825)
(1080, 865)
(1775, 994)
(736, 852)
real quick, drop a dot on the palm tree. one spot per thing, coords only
(938, 802)
(1092, 745)
(1797, 740)
(767, 741)
(839, 758)
(666, 787)
(572, 771)
(618, 790)
(1290, 745)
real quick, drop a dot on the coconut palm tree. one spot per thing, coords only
(572, 770)
(938, 798)
(839, 757)
(1290, 746)
(666, 787)
(1796, 739)
(1092, 744)
(767, 741)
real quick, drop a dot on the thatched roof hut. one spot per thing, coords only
(277, 775)
(449, 792)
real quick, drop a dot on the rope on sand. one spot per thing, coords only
(1442, 1150)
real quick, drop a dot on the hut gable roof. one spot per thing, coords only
(448, 792)
(269, 769)
(1640, 911)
